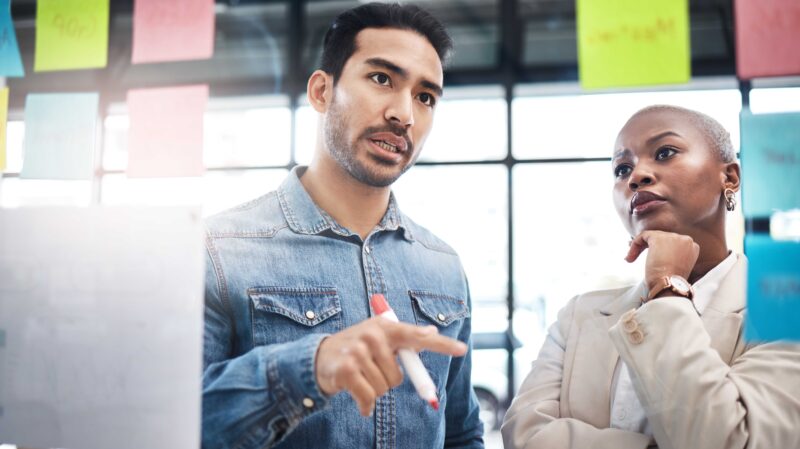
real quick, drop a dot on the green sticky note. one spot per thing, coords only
(71, 34)
(633, 42)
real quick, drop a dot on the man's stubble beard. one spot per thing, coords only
(344, 152)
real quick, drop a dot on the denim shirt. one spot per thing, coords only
(282, 275)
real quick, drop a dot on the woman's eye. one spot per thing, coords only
(664, 153)
(427, 99)
(380, 78)
(622, 170)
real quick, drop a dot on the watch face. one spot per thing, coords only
(679, 283)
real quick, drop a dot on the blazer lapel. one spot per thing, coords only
(723, 318)
(599, 358)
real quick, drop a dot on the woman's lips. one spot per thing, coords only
(645, 207)
(644, 201)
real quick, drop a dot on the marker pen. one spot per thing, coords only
(413, 366)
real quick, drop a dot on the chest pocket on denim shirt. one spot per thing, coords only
(447, 313)
(283, 314)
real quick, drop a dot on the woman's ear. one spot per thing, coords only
(320, 90)
(732, 176)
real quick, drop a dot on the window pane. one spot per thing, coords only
(454, 136)
(567, 236)
(471, 217)
(473, 26)
(305, 134)
(16, 192)
(786, 99)
(575, 126)
(216, 191)
(15, 141)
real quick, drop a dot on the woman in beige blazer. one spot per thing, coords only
(664, 363)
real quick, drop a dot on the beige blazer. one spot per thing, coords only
(700, 384)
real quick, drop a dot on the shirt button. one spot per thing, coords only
(366, 249)
(310, 314)
(630, 326)
(622, 414)
(441, 317)
(308, 403)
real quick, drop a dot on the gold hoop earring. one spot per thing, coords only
(730, 199)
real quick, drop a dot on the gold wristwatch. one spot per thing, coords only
(677, 284)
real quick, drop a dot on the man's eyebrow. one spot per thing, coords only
(660, 136)
(390, 66)
(403, 73)
(437, 89)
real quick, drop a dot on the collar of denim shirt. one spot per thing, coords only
(305, 217)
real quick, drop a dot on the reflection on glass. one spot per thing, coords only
(472, 218)
(215, 192)
(574, 126)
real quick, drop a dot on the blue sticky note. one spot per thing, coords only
(10, 61)
(770, 163)
(59, 136)
(773, 289)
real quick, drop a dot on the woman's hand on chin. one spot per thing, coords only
(670, 254)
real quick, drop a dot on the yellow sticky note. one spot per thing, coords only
(3, 118)
(633, 42)
(71, 34)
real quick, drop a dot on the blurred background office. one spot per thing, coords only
(515, 176)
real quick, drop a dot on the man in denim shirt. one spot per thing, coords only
(290, 274)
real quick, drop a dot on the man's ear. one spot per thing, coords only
(320, 90)
(732, 176)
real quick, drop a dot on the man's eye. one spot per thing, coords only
(380, 78)
(664, 153)
(622, 170)
(427, 99)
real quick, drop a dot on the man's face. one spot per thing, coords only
(382, 106)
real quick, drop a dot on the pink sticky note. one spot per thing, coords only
(173, 30)
(767, 38)
(166, 131)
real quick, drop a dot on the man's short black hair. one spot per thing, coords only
(340, 40)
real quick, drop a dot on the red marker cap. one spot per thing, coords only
(379, 304)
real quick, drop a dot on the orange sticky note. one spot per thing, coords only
(166, 133)
(172, 30)
(767, 38)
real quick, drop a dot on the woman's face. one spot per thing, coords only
(667, 176)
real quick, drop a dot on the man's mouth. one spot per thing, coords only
(387, 146)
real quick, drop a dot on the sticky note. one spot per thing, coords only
(3, 120)
(59, 136)
(10, 61)
(633, 42)
(166, 133)
(172, 30)
(767, 37)
(770, 154)
(773, 289)
(71, 34)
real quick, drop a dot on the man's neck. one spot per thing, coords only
(354, 205)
